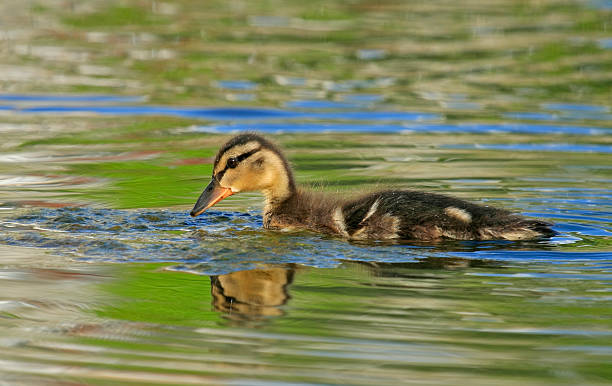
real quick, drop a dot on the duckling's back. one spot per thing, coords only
(415, 215)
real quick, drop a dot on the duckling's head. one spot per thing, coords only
(246, 163)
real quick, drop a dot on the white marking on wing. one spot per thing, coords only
(459, 214)
(371, 211)
(338, 219)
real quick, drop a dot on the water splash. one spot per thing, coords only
(219, 242)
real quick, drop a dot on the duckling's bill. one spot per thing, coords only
(212, 194)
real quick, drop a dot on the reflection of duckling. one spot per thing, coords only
(410, 269)
(249, 162)
(253, 293)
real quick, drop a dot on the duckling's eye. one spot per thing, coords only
(232, 162)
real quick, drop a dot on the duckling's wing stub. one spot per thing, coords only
(212, 194)
(414, 215)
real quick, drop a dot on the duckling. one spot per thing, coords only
(249, 162)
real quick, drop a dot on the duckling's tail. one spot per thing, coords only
(521, 229)
(541, 227)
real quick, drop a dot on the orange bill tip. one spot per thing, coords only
(212, 194)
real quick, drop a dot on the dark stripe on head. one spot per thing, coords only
(242, 139)
(239, 159)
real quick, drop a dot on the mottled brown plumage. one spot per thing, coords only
(249, 162)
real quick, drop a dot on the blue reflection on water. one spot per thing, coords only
(236, 84)
(605, 43)
(532, 116)
(582, 229)
(308, 127)
(561, 147)
(230, 113)
(575, 107)
(321, 104)
(601, 4)
(350, 109)
(543, 275)
(371, 54)
(583, 215)
(570, 115)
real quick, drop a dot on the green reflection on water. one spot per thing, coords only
(116, 16)
(147, 293)
(157, 164)
(483, 50)
(430, 316)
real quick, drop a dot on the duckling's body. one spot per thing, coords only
(249, 162)
(403, 215)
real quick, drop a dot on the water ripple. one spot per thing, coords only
(330, 127)
(71, 98)
(218, 242)
(558, 147)
(225, 113)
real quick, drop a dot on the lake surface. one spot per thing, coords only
(111, 114)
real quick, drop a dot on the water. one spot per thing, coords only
(111, 114)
